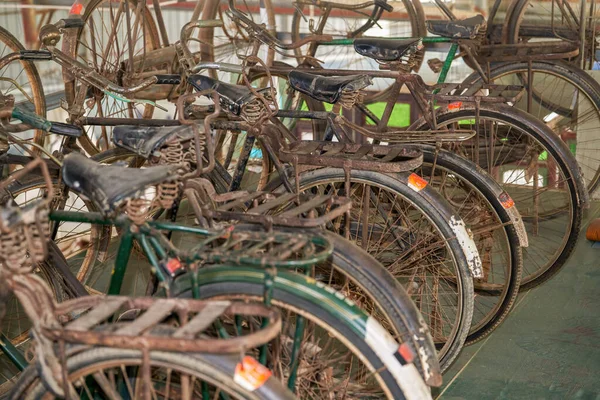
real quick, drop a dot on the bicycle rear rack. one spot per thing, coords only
(268, 209)
(258, 248)
(485, 93)
(387, 159)
(536, 51)
(194, 317)
(287, 209)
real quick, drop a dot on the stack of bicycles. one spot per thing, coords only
(280, 236)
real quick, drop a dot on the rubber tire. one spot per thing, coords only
(215, 368)
(568, 72)
(488, 189)
(313, 311)
(439, 211)
(556, 148)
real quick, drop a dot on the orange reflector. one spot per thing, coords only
(173, 265)
(250, 374)
(416, 183)
(406, 353)
(76, 9)
(455, 106)
(506, 200)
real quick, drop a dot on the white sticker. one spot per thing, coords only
(465, 239)
(407, 376)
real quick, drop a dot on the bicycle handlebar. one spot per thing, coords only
(31, 120)
(266, 37)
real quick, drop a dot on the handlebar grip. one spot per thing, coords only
(32, 119)
(168, 79)
(35, 55)
(383, 4)
(67, 23)
(66, 129)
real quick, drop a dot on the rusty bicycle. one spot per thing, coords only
(77, 344)
(264, 259)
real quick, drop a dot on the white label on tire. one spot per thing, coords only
(465, 239)
(407, 376)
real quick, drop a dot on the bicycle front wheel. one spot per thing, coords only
(115, 41)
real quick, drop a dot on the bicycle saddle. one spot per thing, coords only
(232, 97)
(326, 88)
(108, 186)
(386, 49)
(145, 140)
(457, 29)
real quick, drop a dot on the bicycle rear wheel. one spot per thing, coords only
(530, 21)
(173, 376)
(538, 172)
(566, 99)
(411, 233)
(336, 355)
(480, 202)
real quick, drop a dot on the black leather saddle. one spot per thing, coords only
(233, 97)
(145, 140)
(457, 29)
(108, 186)
(387, 50)
(326, 88)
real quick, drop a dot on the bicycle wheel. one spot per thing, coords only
(350, 20)
(362, 279)
(104, 372)
(335, 354)
(113, 34)
(538, 172)
(480, 202)
(567, 100)
(22, 81)
(230, 43)
(552, 20)
(411, 234)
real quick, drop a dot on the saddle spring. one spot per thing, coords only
(25, 245)
(39, 232)
(255, 110)
(349, 98)
(190, 156)
(137, 210)
(171, 154)
(13, 250)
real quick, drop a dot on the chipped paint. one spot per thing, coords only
(407, 376)
(465, 239)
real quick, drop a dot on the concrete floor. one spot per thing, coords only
(548, 348)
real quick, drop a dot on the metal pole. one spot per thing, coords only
(582, 26)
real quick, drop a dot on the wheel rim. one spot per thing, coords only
(420, 260)
(568, 111)
(516, 156)
(104, 43)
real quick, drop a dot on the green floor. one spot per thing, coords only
(548, 348)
